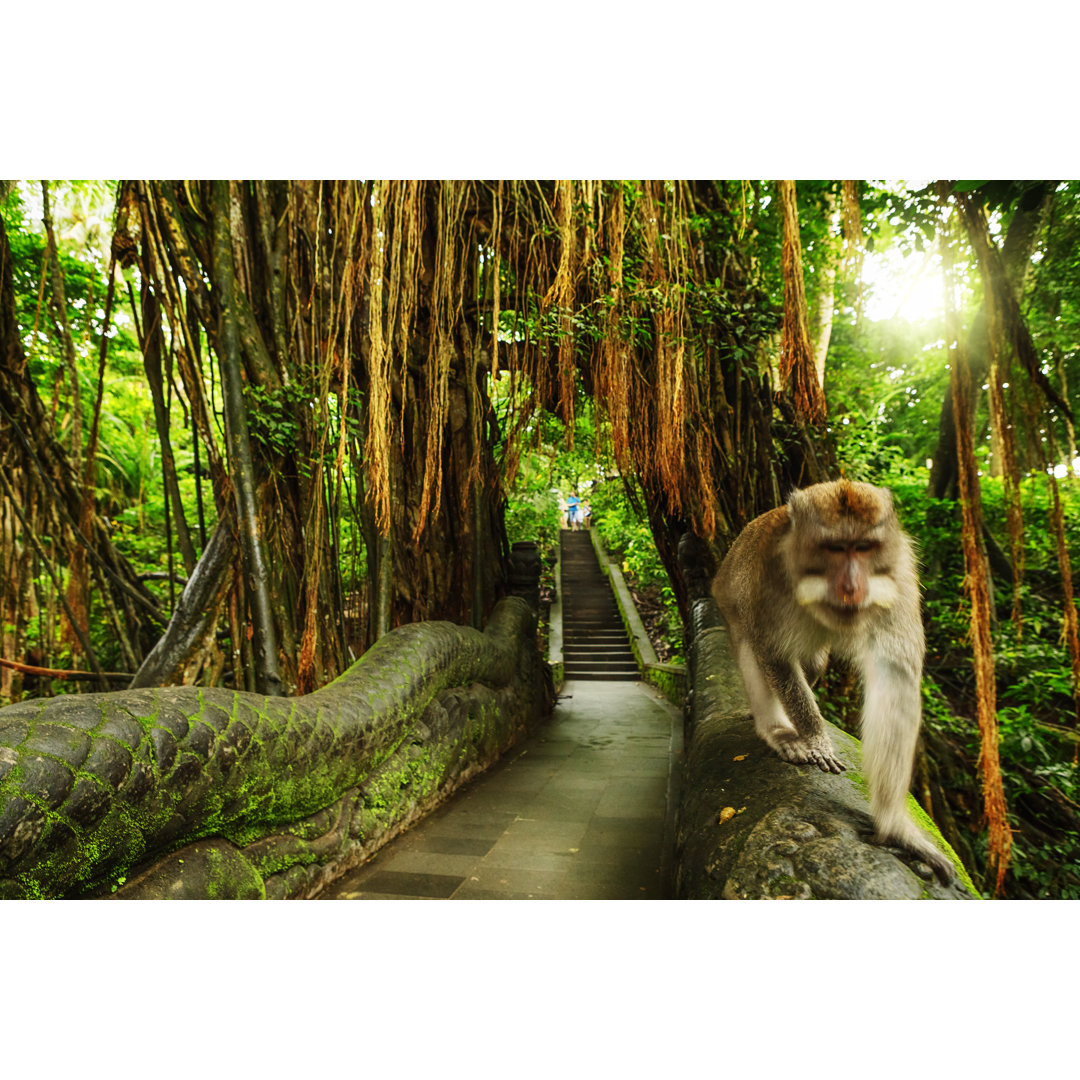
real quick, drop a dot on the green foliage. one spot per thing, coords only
(1034, 678)
(626, 535)
(273, 422)
(532, 513)
(128, 481)
(549, 469)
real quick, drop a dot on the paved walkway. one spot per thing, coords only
(581, 811)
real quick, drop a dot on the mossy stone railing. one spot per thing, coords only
(669, 679)
(189, 792)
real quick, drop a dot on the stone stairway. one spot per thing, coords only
(595, 644)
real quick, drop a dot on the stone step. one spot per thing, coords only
(605, 676)
(597, 663)
(595, 643)
(579, 670)
(600, 659)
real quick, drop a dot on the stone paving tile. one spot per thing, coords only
(578, 813)
(607, 860)
(455, 845)
(471, 815)
(572, 780)
(622, 832)
(359, 894)
(554, 749)
(623, 806)
(604, 890)
(441, 886)
(512, 880)
(517, 785)
(566, 804)
(506, 802)
(649, 790)
(472, 892)
(416, 861)
(633, 766)
(502, 858)
(539, 833)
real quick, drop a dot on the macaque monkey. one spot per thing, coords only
(833, 572)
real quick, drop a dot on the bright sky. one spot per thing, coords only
(908, 286)
(898, 285)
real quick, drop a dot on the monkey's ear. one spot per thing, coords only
(886, 500)
(797, 503)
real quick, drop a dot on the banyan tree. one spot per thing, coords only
(335, 347)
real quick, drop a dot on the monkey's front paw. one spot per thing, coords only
(817, 752)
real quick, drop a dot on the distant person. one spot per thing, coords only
(563, 520)
(573, 510)
(586, 515)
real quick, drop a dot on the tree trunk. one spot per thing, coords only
(194, 621)
(242, 470)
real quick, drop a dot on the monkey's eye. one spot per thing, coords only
(867, 545)
(834, 548)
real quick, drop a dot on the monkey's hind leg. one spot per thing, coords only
(802, 742)
(890, 728)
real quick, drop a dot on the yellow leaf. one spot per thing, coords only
(726, 814)
(739, 757)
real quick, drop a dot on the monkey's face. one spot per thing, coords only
(842, 547)
(843, 581)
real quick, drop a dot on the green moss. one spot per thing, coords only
(669, 679)
(924, 819)
(784, 885)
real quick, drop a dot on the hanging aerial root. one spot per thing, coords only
(977, 585)
(1069, 630)
(797, 370)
